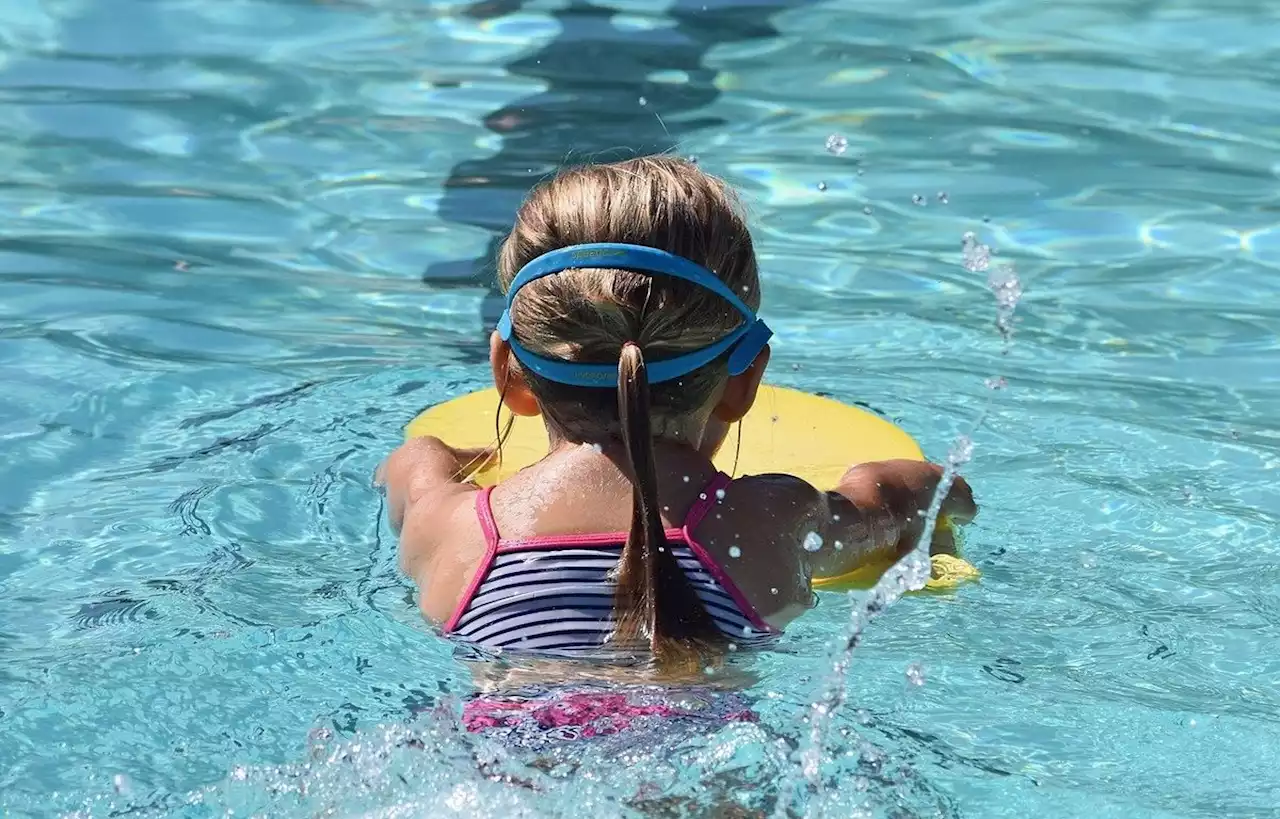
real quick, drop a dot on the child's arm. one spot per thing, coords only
(422, 473)
(878, 511)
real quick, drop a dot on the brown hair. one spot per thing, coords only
(603, 315)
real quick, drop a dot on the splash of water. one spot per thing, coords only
(1002, 279)
(911, 572)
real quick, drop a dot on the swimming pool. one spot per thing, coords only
(240, 250)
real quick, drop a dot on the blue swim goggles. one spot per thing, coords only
(745, 342)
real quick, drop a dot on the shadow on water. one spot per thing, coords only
(603, 102)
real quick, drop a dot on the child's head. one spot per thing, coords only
(659, 345)
(587, 314)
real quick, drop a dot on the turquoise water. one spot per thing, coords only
(240, 248)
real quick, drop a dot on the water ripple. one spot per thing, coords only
(245, 242)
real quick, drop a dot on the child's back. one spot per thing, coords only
(631, 330)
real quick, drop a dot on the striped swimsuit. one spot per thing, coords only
(555, 594)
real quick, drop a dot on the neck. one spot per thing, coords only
(559, 439)
(686, 430)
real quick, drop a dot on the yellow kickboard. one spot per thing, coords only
(787, 431)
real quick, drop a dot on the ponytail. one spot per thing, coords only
(654, 600)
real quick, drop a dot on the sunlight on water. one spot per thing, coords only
(245, 242)
(910, 573)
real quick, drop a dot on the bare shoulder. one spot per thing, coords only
(425, 498)
(785, 498)
(435, 527)
(757, 535)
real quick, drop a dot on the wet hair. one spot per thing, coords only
(601, 315)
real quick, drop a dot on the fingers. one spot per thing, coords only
(476, 459)
(959, 505)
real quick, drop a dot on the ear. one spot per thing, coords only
(509, 381)
(740, 391)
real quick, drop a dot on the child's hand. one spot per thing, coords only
(894, 497)
(473, 459)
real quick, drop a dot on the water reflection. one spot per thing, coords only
(613, 90)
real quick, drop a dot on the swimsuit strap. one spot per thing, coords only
(706, 499)
(484, 513)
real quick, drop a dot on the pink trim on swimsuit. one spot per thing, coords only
(699, 511)
(484, 513)
(495, 545)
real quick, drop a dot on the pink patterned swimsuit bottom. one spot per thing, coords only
(536, 717)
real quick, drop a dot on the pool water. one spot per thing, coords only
(245, 240)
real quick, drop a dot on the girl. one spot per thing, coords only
(630, 328)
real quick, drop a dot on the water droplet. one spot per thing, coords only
(644, 101)
(702, 496)
(719, 494)
(812, 542)
(961, 451)
(976, 255)
(1088, 560)
(915, 674)
(1192, 723)
(121, 784)
(686, 478)
(839, 546)
(943, 198)
(709, 671)
(666, 508)
(822, 186)
(734, 551)
(917, 199)
(239, 773)
(773, 591)
(867, 210)
(693, 159)
(1005, 284)
(746, 629)
(836, 144)
(996, 382)
(986, 219)
(732, 646)
(835, 517)
(859, 172)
